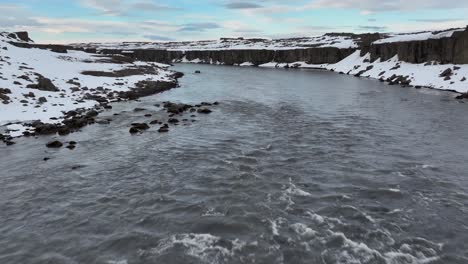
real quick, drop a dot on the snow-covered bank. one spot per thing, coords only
(38, 84)
(430, 75)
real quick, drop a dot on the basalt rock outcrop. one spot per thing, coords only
(232, 57)
(452, 49)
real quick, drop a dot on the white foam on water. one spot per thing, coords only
(212, 212)
(204, 247)
(117, 261)
(294, 190)
(303, 230)
(368, 217)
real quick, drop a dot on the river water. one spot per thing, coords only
(293, 166)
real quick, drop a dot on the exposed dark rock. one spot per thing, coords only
(462, 96)
(45, 129)
(197, 71)
(134, 130)
(71, 147)
(164, 129)
(62, 131)
(140, 126)
(54, 144)
(147, 88)
(447, 73)
(173, 120)
(174, 108)
(41, 100)
(44, 84)
(452, 49)
(92, 113)
(204, 111)
(177, 75)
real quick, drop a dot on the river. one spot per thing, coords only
(293, 166)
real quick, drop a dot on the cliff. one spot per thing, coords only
(453, 49)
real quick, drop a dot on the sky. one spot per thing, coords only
(71, 21)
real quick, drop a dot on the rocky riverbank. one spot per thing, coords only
(44, 92)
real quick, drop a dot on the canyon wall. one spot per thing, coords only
(445, 50)
(231, 57)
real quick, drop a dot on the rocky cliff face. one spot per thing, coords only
(453, 49)
(232, 57)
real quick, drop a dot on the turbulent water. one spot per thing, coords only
(292, 167)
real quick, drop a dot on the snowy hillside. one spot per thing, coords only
(37, 84)
(337, 41)
(429, 75)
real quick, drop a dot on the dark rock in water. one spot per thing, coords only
(103, 122)
(173, 108)
(71, 147)
(447, 78)
(216, 103)
(139, 109)
(173, 120)
(163, 129)
(140, 126)
(177, 75)
(462, 96)
(46, 159)
(204, 111)
(456, 68)
(197, 72)
(148, 115)
(44, 84)
(154, 122)
(54, 144)
(63, 131)
(147, 88)
(92, 113)
(9, 142)
(108, 107)
(72, 143)
(463, 79)
(45, 129)
(447, 73)
(134, 130)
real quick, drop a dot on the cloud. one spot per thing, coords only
(435, 20)
(242, 5)
(124, 7)
(372, 6)
(199, 26)
(372, 28)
